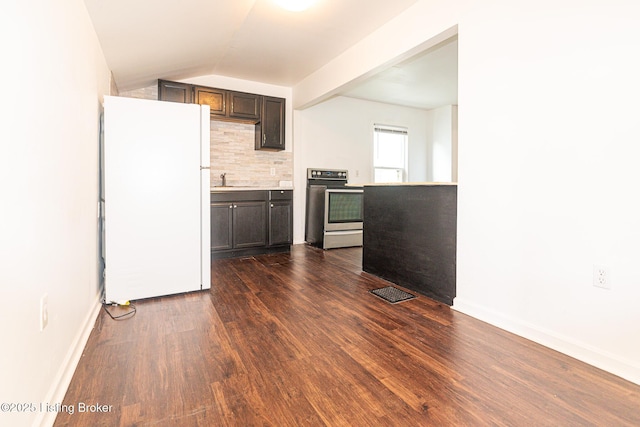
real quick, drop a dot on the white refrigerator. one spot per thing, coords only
(155, 179)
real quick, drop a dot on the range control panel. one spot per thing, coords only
(327, 174)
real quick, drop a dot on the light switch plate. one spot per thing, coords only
(44, 311)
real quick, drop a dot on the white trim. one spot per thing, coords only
(627, 369)
(62, 380)
(402, 130)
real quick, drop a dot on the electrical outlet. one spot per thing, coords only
(601, 277)
(44, 312)
(273, 171)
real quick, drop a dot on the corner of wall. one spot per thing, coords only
(61, 382)
(627, 369)
(113, 87)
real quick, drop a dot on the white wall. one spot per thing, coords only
(548, 176)
(443, 147)
(54, 76)
(338, 134)
(547, 148)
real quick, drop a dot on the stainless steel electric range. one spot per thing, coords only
(333, 210)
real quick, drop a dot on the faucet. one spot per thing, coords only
(224, 179)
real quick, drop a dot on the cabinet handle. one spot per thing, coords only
(271, 204)
(264, 138)
(230, 206)
(235, 206)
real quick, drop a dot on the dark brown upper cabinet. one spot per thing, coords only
(265, 112)
(216, 99)
(175, 92)
(270, 129)
(244, 105)
(229, 104)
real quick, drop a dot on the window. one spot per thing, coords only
(389, 153)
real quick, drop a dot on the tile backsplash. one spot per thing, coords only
(149, 92)
(233, 152)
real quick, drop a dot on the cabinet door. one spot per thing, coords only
(271, 135)
(249, 224)
(175, 92)
(244, 105)
(221, 226)
(280, 222)
(215, 98)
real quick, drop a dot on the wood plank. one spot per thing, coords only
(297, 339)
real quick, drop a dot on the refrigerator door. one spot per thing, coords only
(205, 197)
(153, 198)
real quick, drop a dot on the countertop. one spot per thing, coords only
(241, 188)
(400, 184)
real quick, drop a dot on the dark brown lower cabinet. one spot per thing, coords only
(280, 217)
(250, 222)
(221, 226)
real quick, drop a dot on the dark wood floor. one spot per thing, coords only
(297, 340)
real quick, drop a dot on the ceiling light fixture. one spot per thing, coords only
(295, 5)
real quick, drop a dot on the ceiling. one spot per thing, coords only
(427, 80)
(257, 40)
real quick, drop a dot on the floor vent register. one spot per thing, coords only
(392, 294)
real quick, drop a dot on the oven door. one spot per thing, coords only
(343, 209)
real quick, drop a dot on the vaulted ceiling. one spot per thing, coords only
(144, 40)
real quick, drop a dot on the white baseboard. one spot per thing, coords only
(626, 369)
(62, 380)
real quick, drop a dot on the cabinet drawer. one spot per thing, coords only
(280, 194)
(239, 196)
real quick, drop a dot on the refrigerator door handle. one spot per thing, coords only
(204, 167)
